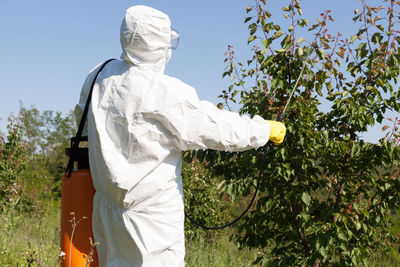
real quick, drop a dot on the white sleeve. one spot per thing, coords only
(201, 125)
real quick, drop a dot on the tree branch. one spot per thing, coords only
(295, 212)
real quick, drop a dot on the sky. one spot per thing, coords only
(48, 47)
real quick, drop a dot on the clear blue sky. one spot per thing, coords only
(47, 47)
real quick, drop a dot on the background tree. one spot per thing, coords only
(46, 135)
(32, 157)
(12, 164)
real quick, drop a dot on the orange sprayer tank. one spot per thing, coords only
(77, 205)
(77, 200)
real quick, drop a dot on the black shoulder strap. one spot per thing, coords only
(76, 140)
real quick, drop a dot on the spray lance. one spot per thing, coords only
(268, 147)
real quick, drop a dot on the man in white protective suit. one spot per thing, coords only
(139, 122)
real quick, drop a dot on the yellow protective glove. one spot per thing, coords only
(278, 132)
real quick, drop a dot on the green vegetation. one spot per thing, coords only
(34, 239)
(327, 194)
(30, 238)
(31, 164)
(327, 198)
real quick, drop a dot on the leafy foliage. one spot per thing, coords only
(326, 193)
(32, 158)
(46, 135)
(12, 164)
(202, 193)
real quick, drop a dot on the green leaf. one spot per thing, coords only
(380, 27)
(274, 83)
(299, 51)
(377, 38)
(305, 216)
(266, 42)
(251, 39)
(321, 53)
(306, 198)
(323, 252)
(353, 38)
(313, 27)
(247, 19)
(343, 246)
(342, 236)
(387, 186)
(278, 34)
(286, 42)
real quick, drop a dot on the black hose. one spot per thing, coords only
(268, 147)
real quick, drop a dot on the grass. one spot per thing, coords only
(392, 256)
(33, 240)
(217, 251)
(30, 239)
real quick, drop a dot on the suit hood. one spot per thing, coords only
(146, 38)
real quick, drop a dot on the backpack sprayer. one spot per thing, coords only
(77, 200)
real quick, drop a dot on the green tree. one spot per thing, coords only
(39, 142)
(326, 193)
(12, 163)
(46, 135)
(32, 156)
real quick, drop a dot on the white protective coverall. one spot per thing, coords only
(139, 122)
